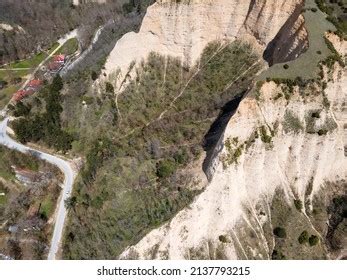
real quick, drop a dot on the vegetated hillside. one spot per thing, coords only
(30, 26)
(148, 138)
(278, 179)
(143, 125)
(336, 11)
(137, 175)
(29, 189)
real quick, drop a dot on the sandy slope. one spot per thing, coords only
(241, 191)
(183, 30)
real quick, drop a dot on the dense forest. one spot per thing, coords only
(36, 25)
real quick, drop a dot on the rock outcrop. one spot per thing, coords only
(281, 160)
(184, 28)
(279, 152)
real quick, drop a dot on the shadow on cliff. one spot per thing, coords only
(217, 129)
(282, 48)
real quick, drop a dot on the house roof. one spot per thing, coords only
(54, 66)
(59, 57)
(35, 83)
(20, 94)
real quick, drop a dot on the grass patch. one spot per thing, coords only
(292, 123)
(313, 125)
(30, 62)
(284, 215)
(53, 47)
(6, 94)
(69, 48)
(337, 14)
(306, 65)
(47, 208)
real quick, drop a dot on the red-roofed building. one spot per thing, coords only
(34, 84)
(60, 58)
(20, 94)
(54, 66)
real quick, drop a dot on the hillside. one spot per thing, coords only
(28, 27)
(279, 164)
(184, 29)
(200, 129)
(29, 189)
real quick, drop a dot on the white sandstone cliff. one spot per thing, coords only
(239, 196)
(183, 30)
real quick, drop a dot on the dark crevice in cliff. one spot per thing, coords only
(217, 129)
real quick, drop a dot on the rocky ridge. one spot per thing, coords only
(273, 149)
(183, 29)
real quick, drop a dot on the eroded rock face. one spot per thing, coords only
(184, 29)
(289, 43)
(276, 152)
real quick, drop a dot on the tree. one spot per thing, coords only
(94, 75)
(57, 84)
(298, 204)
(21, 110)
(70, 202)
(109, 88)
(280, 232)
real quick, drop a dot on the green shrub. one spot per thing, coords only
(304, 237)
(165, 168)
(315, 115)
(280, 232)
(264, 136)
(277, 255)
(109, 88)
(21, 110)
(313, 240)
(181, 157)
(223, 239)
(94, 75)
(298, 204)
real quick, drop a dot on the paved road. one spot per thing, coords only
(64, 166)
